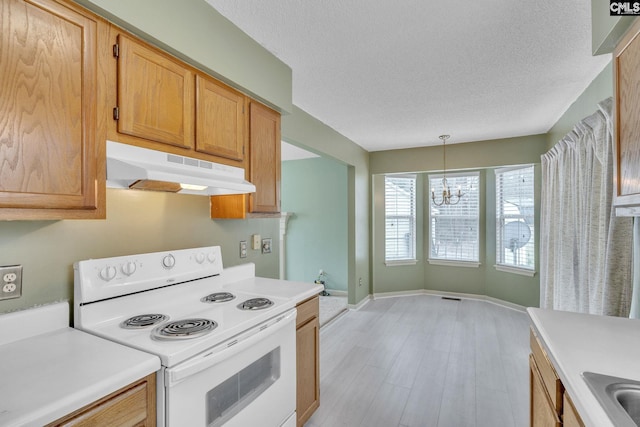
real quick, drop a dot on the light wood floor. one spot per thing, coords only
(424, 361)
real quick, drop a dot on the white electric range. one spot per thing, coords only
(225, 338)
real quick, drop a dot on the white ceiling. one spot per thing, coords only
(396, 74)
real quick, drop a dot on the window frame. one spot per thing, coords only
(413, 258)
(500, 264)
(455, 262)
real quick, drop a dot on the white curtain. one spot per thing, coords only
(585, 250)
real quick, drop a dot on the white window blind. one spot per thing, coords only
(454, 228)
(514, 217)
(400, 217)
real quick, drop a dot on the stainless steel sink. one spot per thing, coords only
(620, 397)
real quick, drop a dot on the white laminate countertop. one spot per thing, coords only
(242, 278)
(577, 343)
(46, 376)
(295, 292)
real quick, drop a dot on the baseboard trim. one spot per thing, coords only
(485, 298)
(361, 304)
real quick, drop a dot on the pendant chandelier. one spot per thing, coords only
(447, 198)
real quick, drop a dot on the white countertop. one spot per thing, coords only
(49, 375)
(295, 292)
(577, 343)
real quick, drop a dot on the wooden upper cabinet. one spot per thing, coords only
(220, 119)
(265, 159)
(626, 64)
(155, 94)
(51, 164)
(263, 170)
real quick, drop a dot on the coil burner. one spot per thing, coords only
(183, 329)
(143, 321)
(255, 304)
(218, 297)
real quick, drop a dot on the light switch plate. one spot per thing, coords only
(10, 282)
(255, 242)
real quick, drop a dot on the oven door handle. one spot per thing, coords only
(228, 348)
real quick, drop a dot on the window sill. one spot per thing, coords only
(401, 262)
(471, 264)
(515, 270)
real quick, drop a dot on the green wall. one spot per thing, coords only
(315, 192)
(137, 222)
(586, 104)
(303, 130)
(193, 31)
(143, 222)
(483, 280)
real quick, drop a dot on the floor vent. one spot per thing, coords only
(452, 298)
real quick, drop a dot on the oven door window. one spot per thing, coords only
(239, 390)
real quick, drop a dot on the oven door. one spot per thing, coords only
(247, 381)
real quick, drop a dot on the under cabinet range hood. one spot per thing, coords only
(140, 168)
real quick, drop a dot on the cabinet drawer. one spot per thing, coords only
(543, 413)
(307, 310)
(132, 406)
(550, 379)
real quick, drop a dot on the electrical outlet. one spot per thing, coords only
(266, 246)
(11, 283)
(359, 281)
(243, 249)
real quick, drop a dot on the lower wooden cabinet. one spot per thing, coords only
(570, 417)
(550, 405)
(542, 413)
(131, 406)
(307, 359)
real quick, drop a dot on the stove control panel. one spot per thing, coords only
(97, 279)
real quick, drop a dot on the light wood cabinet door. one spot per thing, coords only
(626, 64)
(132, 406)
(570, 417)
(49, 154)
(542, 411)
(155, 95)
(265, 159)
(220, 119)
(307, 360)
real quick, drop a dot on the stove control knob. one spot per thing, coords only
(211, 257)
(128, 268)
(200, 258)
(168, 262)
(108, 273)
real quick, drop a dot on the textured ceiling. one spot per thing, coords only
(396, 74)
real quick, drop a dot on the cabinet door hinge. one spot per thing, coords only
(116, 113)
(116, 50)
(243, 150)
